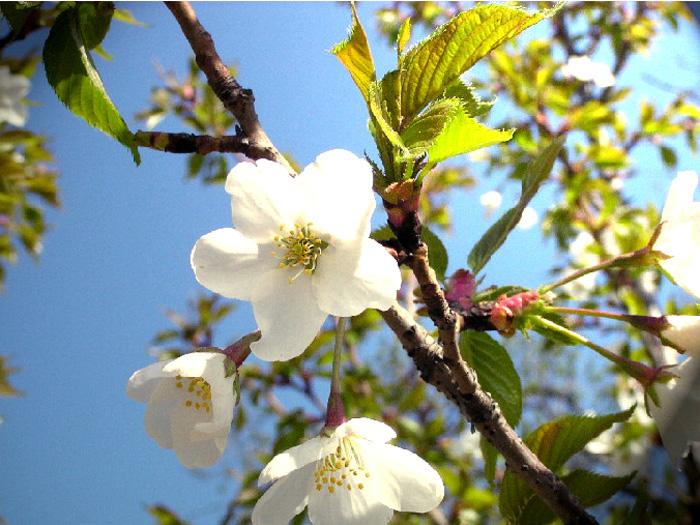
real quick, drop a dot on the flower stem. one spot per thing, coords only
(643, 257)
(641, 372)
(335, 413)
(653, 325)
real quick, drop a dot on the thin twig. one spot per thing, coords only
(236, 99)
(200, 144)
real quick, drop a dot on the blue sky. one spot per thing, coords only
(73, 449)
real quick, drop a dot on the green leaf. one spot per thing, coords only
(537, 172)
(383, 118)
(404, 36)
(463, 134)
(124, 15)
(438, 61)
(589, 488)
(17, 12)
(668, 156)
(72, 74)
(554, 443)
(355, 55)
(436, 252)
(495, 372)
(94, 21)
(427, 127)
(472, 103)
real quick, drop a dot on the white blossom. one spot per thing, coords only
(584, 69)
(678, 414)
(683, 334)
(13, 88)
(680, 233)
(528, 219)
(190, 405)
(351, 477)
(300, 251)
(491, 200)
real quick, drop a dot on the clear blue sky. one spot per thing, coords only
(73, 450)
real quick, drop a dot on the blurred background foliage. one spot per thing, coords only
(594, 215)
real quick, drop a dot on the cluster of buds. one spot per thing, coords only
(506, 309)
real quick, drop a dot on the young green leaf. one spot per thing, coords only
(464, 134)
(383, 119)
(72, 74)
(495, 372)
(471, 102)
(355, 55)
(422, 133)
(438, 61)
(495, 236)
(436, 252)
(554, 443)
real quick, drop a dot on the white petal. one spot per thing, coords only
(370, 429)
(285, 499)
(684, 333)
(229, 264)
(158, 417)
(263, 197)
(287, 314)
(348, 282)
(345, 506)
(680, 196)
(678, 417)
(402, 480)
(294, 458)
(196, 454)
(344, 201)
(142, 382)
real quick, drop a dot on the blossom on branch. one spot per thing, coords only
(679, 238)
(13, 88)
(350, 477)
(300, 251)
(678, 414)
(584, 69)
(190, 404)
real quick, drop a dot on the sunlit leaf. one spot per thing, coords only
(463, 134)
(72, 74)
(436, 252)
(354, 53)
(439, 60)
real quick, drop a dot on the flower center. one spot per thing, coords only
(342, 469)
(197, 392)
(301, 249)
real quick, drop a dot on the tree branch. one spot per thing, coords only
(200, 144)
(237, 100)
(483, 412)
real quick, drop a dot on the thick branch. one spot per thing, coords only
(200, 144)
(483, 412)
(237, 100)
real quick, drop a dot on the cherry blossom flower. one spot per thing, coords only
(491, 200)
(528, 219)
(584, 69)
(13, 88)
(351, 477)
(190, 405)
(300, 250)
(678, 414)
(680, 233)
(683, 333)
